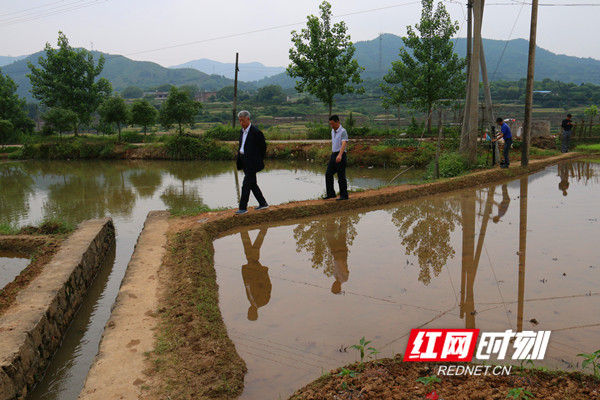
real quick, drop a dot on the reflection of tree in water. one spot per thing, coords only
(583, 171)
(425, 228)
(145, 181)
(16, 187)
(93, 194)
(312, 237)
(180, 198)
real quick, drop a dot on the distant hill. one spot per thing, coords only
(5, 60)
(247, 71)
(123, 72)
(505, 61)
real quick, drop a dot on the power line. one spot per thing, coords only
(49, 12)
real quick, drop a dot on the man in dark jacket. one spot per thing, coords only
(252, 149)
(567, 127)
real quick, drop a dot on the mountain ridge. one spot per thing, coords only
(505, 61)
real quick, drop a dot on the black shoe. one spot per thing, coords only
(241, 211)
(263, 207)
(342, 198)
(328, 197)
(504, 166)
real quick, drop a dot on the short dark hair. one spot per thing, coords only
(569, 115)
(499, 119)
(334, 118)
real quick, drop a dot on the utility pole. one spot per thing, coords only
(529, 88)
(469, 135)
(464, 140)
(235, 91)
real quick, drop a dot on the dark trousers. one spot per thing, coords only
(565, 138)
(507, 144)
(250, 185)
(336, 168)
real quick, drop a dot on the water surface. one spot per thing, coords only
(517, 255)
(74, 191)
(11, 265)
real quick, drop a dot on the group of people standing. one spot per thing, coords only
(253, 147)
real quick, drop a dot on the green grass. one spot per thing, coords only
(588, 148)
(6, 229)
(194, 210)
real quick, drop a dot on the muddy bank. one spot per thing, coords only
(193, 353)
(39, 249)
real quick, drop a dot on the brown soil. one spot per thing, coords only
(544, 142)
(40, 249)
(194, 357)
(395, 379)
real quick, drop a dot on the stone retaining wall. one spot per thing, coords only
(32, 329)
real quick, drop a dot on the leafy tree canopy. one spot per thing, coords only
(114, 111)
(434, 72)
(66, 79)
(179, 109)
(143, 113)
(12, 108)
(322, 58)
(61, 119)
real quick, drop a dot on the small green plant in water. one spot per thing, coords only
(519, 393)
(429, 381)
(591, 358)
(362, 347)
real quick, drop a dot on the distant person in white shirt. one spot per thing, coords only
(337, 161)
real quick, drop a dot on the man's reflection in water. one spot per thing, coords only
(563, 172)
(503, 207)
(336, 239)
(255, 275)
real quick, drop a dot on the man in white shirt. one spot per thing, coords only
(337, 161)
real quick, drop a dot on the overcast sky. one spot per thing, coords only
(171, 32)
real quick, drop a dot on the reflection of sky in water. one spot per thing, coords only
(11, 265)
(437, 262)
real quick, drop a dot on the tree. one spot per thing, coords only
(61, 119)
(270, 94)
(6, 129)
(433, 74)
(322, 58)
(143, 113)
(132, 92)
(67, 79)
(179, 108)
(114, 111)
(13, 109)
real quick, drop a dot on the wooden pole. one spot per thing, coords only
(529, 87)
(464, 136)
(235, 91)
(474, 83)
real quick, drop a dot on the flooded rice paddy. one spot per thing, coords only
(74, 191)
(520, 255)
(11, 265)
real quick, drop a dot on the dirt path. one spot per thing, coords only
(118, 370)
